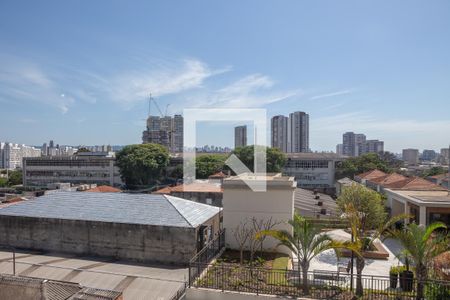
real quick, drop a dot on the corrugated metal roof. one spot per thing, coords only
(146, 209)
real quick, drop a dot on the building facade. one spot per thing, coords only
(11, 155)
(279, 132)
(298, 131)
(410, 156)
(313, 170)
(89, 168)
(240, 136)
(166, 131)
(355, 144)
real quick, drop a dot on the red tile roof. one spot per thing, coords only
(196, 187)
(104, 189)
(372, 174)
(218, 175)
(388, 179)
(415, 184)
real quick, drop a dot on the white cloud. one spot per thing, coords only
(333, 94)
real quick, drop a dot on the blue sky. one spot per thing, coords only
(78, 72)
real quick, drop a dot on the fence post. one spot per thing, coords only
(189, 274)
(223, 279)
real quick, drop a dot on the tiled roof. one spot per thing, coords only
(440, 176)
(372, 174)
(146, 209)
(195, 187)
(416, 184)
(104, 189)
(218, 175)
(388, 179)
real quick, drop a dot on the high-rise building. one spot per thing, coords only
(340, 149)
(240, 136)
(374, 146)
(166, 131)
(11, 155)
(279, 132)
(429, 155)
(410, 156)
(445, 155)
(298, 132)
(355, 144)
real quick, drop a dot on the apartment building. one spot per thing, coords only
(11, 155)
(166, 131)
(410, 156)
(98, 168)
(291, 134)
(240, 136)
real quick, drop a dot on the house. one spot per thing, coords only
(135, 227)
(425, 206)
(372, 174)
(206, 192)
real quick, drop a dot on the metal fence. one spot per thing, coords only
(322, 284)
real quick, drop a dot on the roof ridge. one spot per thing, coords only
(168, 199)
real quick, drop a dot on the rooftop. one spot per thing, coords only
(146, 209)
(306, 203)
(372, 174)
(195, 187)
(271, 179)
(312, 155)
(439, 198)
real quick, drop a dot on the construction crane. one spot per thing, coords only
(150, 100)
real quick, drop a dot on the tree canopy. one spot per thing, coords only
(209, 164)
(434, 171)
(15, 177)
(142, 165)
(352, 166)
(274, 157)
(366, 202)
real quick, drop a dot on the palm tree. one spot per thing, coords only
(307, 241)
(422, 247)
(364, 236)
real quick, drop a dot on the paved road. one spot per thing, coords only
(134, 280)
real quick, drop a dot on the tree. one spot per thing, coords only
(242, 233)
(209, 164)
(307, 242)
(142, 165)
(434, 171)
(256, 240)
(275, 159)
(356, 165)
(82, 149)
(421, 247)
(365, 213)
(15, 177)
(3, 182)
(177, 172)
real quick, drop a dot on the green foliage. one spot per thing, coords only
(385, 162)
(437, 291)
(274, 157)
(15, 177)
(142, 165)
(3, 182)
(82, 149)
(177, 172)
(434, 171)
(209, 164)
(366, 202)
(395, 270)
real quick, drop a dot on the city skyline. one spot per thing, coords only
(83, 80)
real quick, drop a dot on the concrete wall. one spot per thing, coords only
(240, 204)
(142, 243)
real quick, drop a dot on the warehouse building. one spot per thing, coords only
(137, 227)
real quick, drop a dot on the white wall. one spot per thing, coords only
(241, 203)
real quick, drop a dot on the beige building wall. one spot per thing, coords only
(241, 204)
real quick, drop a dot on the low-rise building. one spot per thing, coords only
(98, 168)
(424, 206)
(343, 183)
(136, 227)
(314, 204)
(313, 170)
